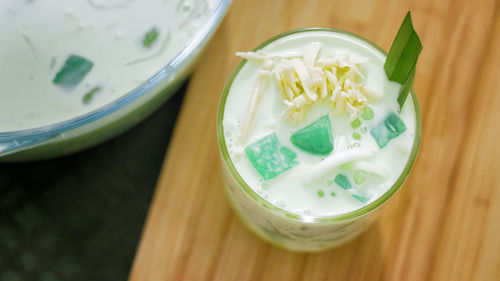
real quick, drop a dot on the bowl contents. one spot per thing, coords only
(62, 59)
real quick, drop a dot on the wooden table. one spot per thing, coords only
(445, 222)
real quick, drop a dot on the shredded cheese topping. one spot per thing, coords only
(305, 79)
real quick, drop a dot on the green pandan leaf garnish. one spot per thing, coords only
(401, 61)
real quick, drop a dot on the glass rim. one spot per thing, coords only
(43, 133)
(303, 218)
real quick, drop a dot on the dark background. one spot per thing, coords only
(80, 217)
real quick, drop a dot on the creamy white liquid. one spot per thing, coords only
(39, 35)
(293, 190)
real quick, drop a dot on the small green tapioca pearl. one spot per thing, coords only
(355, 123)
(360, 176)
(363, 130)
(321, 193)
(356, 136)
(367, 113)
(333, 194)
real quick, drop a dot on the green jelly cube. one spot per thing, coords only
(150, 37)
(343, 181)
(395, 124)
(72, 73)
(269, 158)
(315, 138)
(390, 128)
(361, 198)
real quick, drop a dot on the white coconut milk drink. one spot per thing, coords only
(313, 138)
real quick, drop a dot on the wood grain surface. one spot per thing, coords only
(445, 222)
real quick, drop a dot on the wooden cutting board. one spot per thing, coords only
(445, 222)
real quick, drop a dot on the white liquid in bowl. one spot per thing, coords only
(38, 36)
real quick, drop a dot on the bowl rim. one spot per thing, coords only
(226, 159)
(18, 140)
